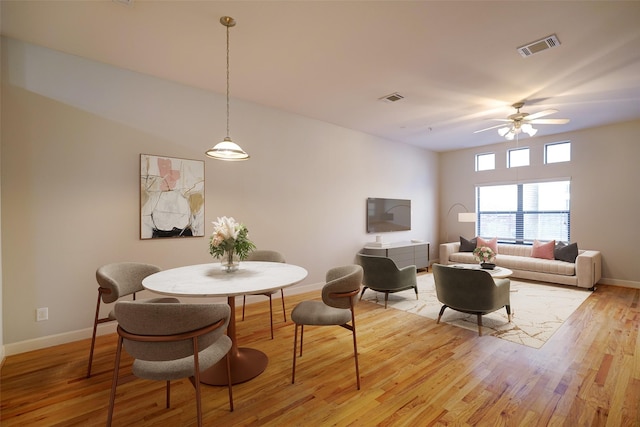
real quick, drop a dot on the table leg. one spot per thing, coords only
(246, 363)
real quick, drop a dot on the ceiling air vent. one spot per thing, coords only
(539, 46)
(395, 96)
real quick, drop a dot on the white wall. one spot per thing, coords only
(605, 200)
(72, 133)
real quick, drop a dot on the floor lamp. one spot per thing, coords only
(465, 216)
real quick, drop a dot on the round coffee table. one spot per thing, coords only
(496, 273)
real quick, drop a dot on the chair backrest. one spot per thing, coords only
(157, 319)
(464, 287)
(265, 255)
(123, 278)
(377, 269)
(343, 279)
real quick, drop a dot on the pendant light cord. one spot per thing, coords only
(227, 81)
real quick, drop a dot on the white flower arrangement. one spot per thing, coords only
(230, 237)
(484, 254)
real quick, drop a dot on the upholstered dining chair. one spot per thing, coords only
(381, 274)
(471, 291)
(339, 297)
(269, 256)
(117, 280)
(170, 342)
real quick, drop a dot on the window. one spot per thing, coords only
(557, 152)
(485, 162)
(518, 157)
(520, 213)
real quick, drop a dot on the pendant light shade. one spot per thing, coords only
(227, 149)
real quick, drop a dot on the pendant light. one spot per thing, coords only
(227, 149)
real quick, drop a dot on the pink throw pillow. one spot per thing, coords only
(493, 244)
(543, 250)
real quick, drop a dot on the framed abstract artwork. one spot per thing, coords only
(171, 197)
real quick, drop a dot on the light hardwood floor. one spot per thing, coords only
(414, 373)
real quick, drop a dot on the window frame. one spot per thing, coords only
(479, 155)
(551, 144)
(518, 225)
(513, 150)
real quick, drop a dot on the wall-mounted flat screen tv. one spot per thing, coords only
(385, 215)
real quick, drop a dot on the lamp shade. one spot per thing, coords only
(227, 150)
(467, 217)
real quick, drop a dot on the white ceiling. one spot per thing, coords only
(455, 62)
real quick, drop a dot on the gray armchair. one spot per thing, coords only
(382, 275)
(471, 291)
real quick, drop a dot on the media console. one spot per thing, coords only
(402, 253)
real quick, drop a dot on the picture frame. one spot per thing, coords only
(171, 197)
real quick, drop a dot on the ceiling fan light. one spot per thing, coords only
(528, 129)
(227, 150)
(503, 131)
(510, 135)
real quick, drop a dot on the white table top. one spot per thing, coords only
(209, 280)
(496, 273)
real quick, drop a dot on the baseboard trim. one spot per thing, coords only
(110, 328)
(617, 282)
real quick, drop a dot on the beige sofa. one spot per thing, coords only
(584, 273)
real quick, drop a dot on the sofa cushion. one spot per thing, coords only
(543, 250)
(566, 253)
(468, 245)
(493, 244)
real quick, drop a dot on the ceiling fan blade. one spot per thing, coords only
(492, 127)
(541, 114)
(547, 121)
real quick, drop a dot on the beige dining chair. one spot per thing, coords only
(170, 342)
(269, 256)
(117, 280)
(339, 297)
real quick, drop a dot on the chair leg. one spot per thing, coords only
(114, 382)
(93, 337)
(479, 324)
(355, 348)
(386, 298)
(271, 314)
(364, 288)
(284, 312)
(229, 382)
(301, 338)
(440, 314)
(508, 307)
(416, 290)
(295, 349)
(196, 381)
(244, 301)
(169, 394)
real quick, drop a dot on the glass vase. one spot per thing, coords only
(230, 262)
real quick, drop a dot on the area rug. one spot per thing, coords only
(537, 309)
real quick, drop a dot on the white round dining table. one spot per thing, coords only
(209, 280)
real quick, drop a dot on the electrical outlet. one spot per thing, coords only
(42, 314)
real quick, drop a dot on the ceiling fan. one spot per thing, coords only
(522, 122)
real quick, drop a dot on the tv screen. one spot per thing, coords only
(385, 215)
